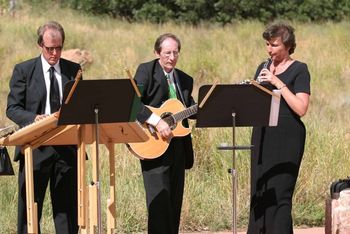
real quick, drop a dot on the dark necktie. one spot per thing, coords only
(54, 92)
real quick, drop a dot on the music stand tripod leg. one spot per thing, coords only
(92, 208)
(111, 215)
(32, 209)
(233, 172)
(81, 178)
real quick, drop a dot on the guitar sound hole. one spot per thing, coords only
(168, 118)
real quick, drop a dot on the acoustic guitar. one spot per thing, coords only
(172, 112)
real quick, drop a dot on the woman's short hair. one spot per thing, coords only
(283, 30)
(163, 37)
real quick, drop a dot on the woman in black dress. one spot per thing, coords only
(278, 151)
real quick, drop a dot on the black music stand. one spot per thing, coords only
(115, 100)
(98, 102)
(234, 106)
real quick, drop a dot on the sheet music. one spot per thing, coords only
(8, 130)
(275, 108)
(31, 131)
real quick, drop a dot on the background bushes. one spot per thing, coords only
(217, 11)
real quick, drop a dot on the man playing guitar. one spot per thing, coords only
(164, 176)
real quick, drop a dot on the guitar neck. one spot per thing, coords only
(185, 113)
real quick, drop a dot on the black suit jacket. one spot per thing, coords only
(155, 92)
(27, 97)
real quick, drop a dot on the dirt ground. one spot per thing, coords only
(314, 230)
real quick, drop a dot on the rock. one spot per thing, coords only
(83, 57)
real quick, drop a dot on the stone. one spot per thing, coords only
(83, 57)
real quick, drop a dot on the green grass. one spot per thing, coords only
(229, 54)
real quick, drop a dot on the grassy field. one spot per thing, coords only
(229, 54)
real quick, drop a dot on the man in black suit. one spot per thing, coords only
(35, 92)
(164, 176)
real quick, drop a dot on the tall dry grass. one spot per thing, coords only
(229, 54)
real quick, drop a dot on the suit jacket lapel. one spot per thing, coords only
(39, 79)
(64, 75)
(178, 87)
(160, 77)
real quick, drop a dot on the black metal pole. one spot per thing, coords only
(99, 221)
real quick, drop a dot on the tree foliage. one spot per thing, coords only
(218, 11)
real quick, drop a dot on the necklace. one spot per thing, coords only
(281, 67)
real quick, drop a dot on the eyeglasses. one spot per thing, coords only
(167, 54)
(52, 49)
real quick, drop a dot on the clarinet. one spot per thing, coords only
(266, 64)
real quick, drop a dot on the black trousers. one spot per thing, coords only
(164, 184)
(59, 166)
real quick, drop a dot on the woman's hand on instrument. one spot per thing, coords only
(266, 75)
(164, 129)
